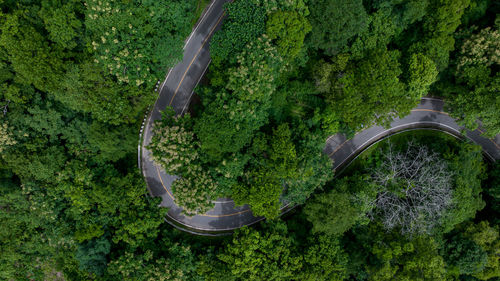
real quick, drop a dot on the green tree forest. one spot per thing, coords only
(77, 77)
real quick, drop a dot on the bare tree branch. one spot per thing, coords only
(415, 189)
(5, 107)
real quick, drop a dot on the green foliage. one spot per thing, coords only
(314, 170)
(173, 145)
(289, 30)
(324, 260)
(176, 149)
(342, 208)
(466, 255)
(390, 256)
(381, 30)
(87, 89)
(6, 137)
(284, 5)
(372, 91)
(101, 198)
(325, 72)
(438, 29)
(331, 29)
(177, 263)
(282, 152)
(422, 74)
(245, 23)
(267, 255)
(492, 190)
(262, 192)
(91, 255)
(237, 115)
(405, 260)
(473, 97)
(34, 60)
(195, 191)
(62, 23)
(137, 41)
(31, 233)
(468, 168)
(488, 237)
(75, 80)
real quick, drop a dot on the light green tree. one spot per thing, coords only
(262, 255)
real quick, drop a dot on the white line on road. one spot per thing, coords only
(203, 74)
(399, 126)
(199, 23)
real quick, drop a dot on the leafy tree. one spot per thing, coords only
(245, 23)
(289, 30)
(31, 232)
(314, 167)
(325, 72)
(62, 22)
(238, 114)
(324, 259)
(492, 190)
(416, 260)
(473, 97)
(175, 148)
(6, 137)
(343, 207)
(173, 144)
(467, 256)
(439, 26)
(195, 191)
(231, 135)
(176, 263)
(488, 237)
(381, 30)
(262, 192)
(271, 6)
(92, 255)
(111, 143)
(332, 30)
(391, 256)
(468, 167)
(282, 152)
(10, 90)
(372, 91)
(137, 41)
(87, 89)
(421, 74)
(266, 255)
(33, 58)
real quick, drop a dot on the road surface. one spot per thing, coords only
(176, 91)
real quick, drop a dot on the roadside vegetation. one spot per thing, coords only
(76, 78)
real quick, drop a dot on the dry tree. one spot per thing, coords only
(414, 189)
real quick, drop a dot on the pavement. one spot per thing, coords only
(176, 91)
(428, 114)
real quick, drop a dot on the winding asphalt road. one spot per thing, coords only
(177, 89)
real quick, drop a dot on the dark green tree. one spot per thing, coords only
(245, 22)
(91, 255)
(372, 91)
(343, 207)
(465, 255)
(331, 29)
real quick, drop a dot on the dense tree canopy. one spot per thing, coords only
(76, 78)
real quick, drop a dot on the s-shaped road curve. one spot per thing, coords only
(176, 91)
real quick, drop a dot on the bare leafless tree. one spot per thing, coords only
(415, 189)
(5, 107)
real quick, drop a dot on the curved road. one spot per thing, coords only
(177, 89)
